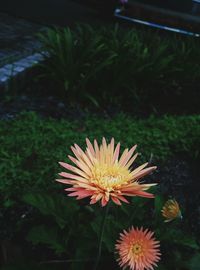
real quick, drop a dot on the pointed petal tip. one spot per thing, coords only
(134, 147)
(60, 180)
(61, 163)
(87, 140)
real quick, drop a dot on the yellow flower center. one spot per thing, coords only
(137, 249)
(109, 177)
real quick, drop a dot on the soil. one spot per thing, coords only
(48, 106)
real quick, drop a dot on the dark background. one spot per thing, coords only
(60, 12)
(63, 12)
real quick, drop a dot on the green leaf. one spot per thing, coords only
(158, 204)
(62, 209)
(188, 241)
(45, 235)
(180, 238)
(194, 262)
(9, 203)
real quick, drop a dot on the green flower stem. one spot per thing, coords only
(101, 236)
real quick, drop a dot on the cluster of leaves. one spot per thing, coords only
(113, 65)
(75, 58)
(72, 229)
(32, 146)
(30, 149)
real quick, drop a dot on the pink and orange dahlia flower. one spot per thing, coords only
(101, 174)
(137, 249)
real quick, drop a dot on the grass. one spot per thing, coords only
(32, 146)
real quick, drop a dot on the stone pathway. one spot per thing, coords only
(18, 46)
(20, 66)
(17, 38)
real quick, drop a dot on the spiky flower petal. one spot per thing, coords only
(101, 174)
(171, 210)
(137, 249)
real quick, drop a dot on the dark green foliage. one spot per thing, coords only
(28, 265)
(140, 70)
(62, 211)
(30, 149)
(194, 262)
(81, 234)
(53, 206)
(31, 146)
(75, 59)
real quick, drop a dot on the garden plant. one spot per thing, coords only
(135, 71)
(71, 228)
(100, 91)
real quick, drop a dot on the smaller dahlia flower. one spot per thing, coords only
(101, 174)
(137, 249)
(171, 210)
